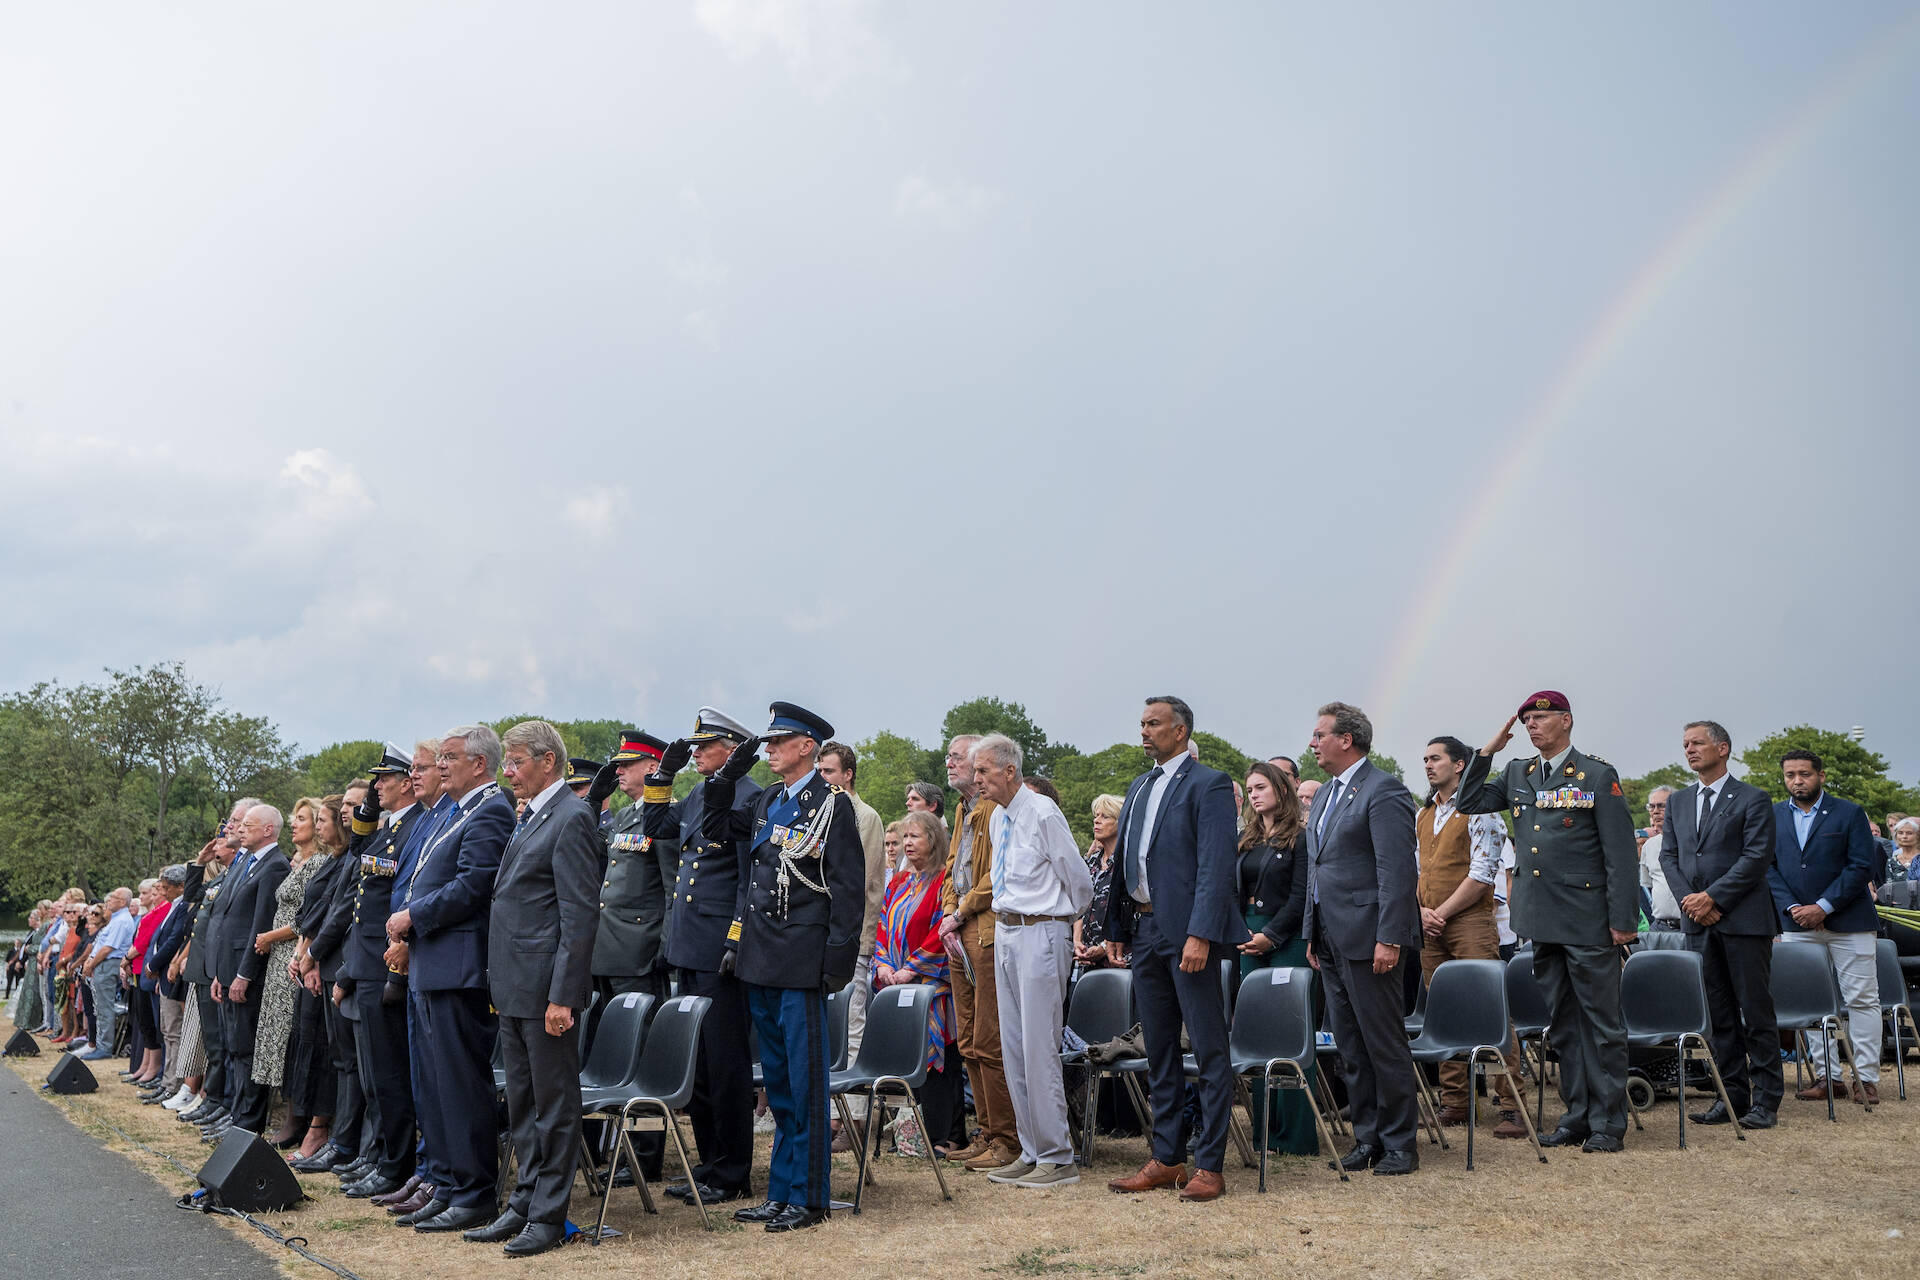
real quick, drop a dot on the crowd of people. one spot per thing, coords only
(369, 958)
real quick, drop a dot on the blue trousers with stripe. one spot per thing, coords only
(793, 1058)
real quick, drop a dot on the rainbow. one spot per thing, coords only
(1608, 337)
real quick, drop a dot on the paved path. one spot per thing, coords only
(70, 1203)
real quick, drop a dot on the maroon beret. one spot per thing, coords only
(1545, 700)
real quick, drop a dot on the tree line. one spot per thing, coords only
(103, 783)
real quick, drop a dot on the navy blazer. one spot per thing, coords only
(1363, 869)
(1192, 863)
(448, 891)
(1728, 860)
(1836, 863)
(707, 881)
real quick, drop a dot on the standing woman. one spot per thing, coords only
(1273, 902)
(1906, 844)
(1090, 927)
(31, 1011)
(907, 949)
(89, 922)
(311, 1071)
(277, 999)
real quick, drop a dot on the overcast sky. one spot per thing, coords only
(398, 365)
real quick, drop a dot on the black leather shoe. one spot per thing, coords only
(1563, 1137)
(535, 1237)
(354, 1170)
(715, 1195)
(499, 1231)
(456, 1218)
(431, 1209)
(1602, 1142)
(798, 1218)
(375, 1185)
(1715, 1114)
(211, 1136)
(342, 1159)
(319, 1162)
(679, 1190)
(766, 1211)
(1759, 1118)
(1394, 1163)
(1364, 1155)
(203, 1114)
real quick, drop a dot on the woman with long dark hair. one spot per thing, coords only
(1273, 902)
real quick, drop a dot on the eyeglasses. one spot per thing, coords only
(444, 758)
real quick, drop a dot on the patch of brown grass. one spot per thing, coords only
(1807, 1193)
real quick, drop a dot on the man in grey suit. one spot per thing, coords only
(243, 912)
(1715, 852)
(1362, 928)
(540, 974)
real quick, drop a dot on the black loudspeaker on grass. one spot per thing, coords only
(70, 1075)
(21, 1046)
(246, 1173)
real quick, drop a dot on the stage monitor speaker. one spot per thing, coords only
(70, 1075)
(21, 1046)
(246, 1173)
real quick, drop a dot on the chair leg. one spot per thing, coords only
(1473, 1102)
(1900, 1054)
(1319, 1118)
(1540, 1084)
(1266, 1113)
(1705, 1050)
(587, 1163)
(1431, 1110)
(1139, 1097)
(1680, 1089)
(1241, 1142)
(1533, 1134)
(686, 1165)
(859, 1148)
(1326, 1100)
(1830, 1026)
(933, 1161)
(1090, 1116)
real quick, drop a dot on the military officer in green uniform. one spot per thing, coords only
(1576, 895)
(627, 955)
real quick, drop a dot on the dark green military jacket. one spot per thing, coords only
(633, 898)
(1576, 871)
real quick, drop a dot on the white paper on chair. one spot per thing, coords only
(630, 999)
(906, 996)
(1280, 976)
(686, 1002)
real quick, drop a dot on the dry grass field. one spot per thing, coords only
(1809, 1196)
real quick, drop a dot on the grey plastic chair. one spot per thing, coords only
(1663, 998)
(1272, 1037)
(1805, 998)
(892, 1063)
(609, 1073)
(1099, 1010)
(662, 1084)
(1467, 1019)
(1894, 1006)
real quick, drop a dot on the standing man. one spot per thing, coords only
(1661, 907)
(1040, 886)
(441, 904)
(839, 767)
(706, 885)
(1459, 861)
(967, 930)
(539, 970)
(215, 858)
(1286, 765)
(1824, 862)
(794, 937)
(1577, 895)
(582, 774)
(1174, 904)
(101, 969)
(632, 905)
(1715, 853)
(1362, 920)
(244, 912)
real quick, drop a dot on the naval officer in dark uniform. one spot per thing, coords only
(582, 779)
(795, 936)
(1576, 890)
(703, 888)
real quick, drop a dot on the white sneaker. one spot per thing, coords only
(1050, 1175)
(179, 1101)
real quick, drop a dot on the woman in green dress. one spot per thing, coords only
(1273, 900)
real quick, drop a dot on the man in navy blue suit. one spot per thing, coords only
(441, 905)
(1174, 907)
(1824, 861)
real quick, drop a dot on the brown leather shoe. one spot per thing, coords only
(1867, 1093)
(405, 1192)
(1451, 1116)
(1152, 1176)
(998, 1155)
(1205, 1184)
(977, 1147)
(1817, 1091)
(413, 1203)
(1509, 1126)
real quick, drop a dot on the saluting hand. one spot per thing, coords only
(1501, 739)
(675, 757)
(741, 762)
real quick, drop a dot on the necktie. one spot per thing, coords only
(1706, 806)
(1000, 854)
(1328, 811)
(1137, 830)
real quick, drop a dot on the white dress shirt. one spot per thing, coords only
(1151, 800)
(1037, 867)
(1653, 878)
(1485, 834)
(539, 802)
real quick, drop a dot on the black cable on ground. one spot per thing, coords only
(296, 1243)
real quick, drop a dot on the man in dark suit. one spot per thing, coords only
(440, 909)
(794, 937)
(243, 913)
(1362, 929)
(1824, 862)
(216, 858)
(1174, 907)
(705, 884)
(540, 939)
(1715, 852)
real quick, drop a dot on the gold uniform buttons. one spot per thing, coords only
(1536, 874)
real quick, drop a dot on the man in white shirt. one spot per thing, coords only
(1040, 886)
(1663, 915)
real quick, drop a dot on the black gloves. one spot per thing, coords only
(741, 762)
(675, 758)
(603, 784)
(726, 961)
(368, 810)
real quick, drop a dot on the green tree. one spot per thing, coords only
(159, 719)
(331, 768)
(888, 762)
(243, 755)
(1082, 778)
(1638, 789)
(1310, 769)
(1853, 772)
(990, 715)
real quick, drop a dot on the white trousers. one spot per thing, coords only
(1852, 957)
(1031, 966)
(858, 999)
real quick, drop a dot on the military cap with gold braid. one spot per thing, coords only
(580, 771)
(638, 745)
(709, 724)
(393, 761)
